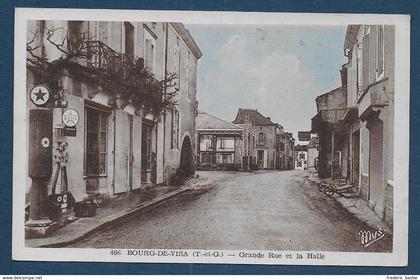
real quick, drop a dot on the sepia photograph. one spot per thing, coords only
(263, 138)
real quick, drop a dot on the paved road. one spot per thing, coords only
(275, 210)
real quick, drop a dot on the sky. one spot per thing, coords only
(276, 69)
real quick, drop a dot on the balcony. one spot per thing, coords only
(327, 118)
(376, 96)
(103, 58)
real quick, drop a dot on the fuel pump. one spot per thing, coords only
(39, 164)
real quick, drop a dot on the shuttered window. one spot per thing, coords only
(366, 61)
(380, 64)
(175, 129)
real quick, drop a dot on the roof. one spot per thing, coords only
(207, 121)
(254, 116)
(188, 39)
(351, 36)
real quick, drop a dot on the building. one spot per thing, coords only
(331, 107)
(301, 157)
(355, 122)
(121, 143)
(285, 144)
(220, 144)
(369, 76)
(271, 146)
(313, 154)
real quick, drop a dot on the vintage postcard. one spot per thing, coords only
(211, 137)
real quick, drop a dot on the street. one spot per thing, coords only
(265, 210)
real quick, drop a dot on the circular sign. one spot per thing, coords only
(40, 95)
(45, 142)
(70, 118)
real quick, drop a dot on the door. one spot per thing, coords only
(356, 157)
(260, 159)
(146, 153)
(376, 172)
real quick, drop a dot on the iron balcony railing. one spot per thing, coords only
(106, 60)
(102, 57)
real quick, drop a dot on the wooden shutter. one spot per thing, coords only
(149, 53)
(365, 62)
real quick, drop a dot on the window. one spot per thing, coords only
(96, 142)
(188, 77)
(260, 155)
(222, 143)
(380, 55)
(74, 33)
(301, 156)
(281, 146)
(261, 137)
(129, 39)
(175, 129)
(149, 55)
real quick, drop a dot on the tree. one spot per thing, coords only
(92, 62)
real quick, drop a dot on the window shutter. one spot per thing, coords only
(365, 62)
(148, 53)
(380, 49)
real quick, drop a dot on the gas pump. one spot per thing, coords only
(39, 168)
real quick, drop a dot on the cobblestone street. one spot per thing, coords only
(262, 210)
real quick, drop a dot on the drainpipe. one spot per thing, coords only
(164, 96)
(113, 156)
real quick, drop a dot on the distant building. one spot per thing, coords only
(220, 143)
(301, 157)
(313, 154)
(272, 147)
(331, 107)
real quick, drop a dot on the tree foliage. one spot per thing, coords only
(92, 62)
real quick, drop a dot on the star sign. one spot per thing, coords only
(40, 95)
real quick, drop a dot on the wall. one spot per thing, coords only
(178, 62)
(312, 155)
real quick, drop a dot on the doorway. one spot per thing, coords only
(146, 153)
(186, 165)
(376, 163)
(356, 157)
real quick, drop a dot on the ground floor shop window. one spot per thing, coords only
(96, 142)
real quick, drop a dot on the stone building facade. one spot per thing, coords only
(118, 147)
(356, 127)
(273, 148)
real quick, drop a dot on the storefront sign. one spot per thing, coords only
(40, 95)
(304, 135)
(70, 118)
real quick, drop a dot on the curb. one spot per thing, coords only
(142, 208)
